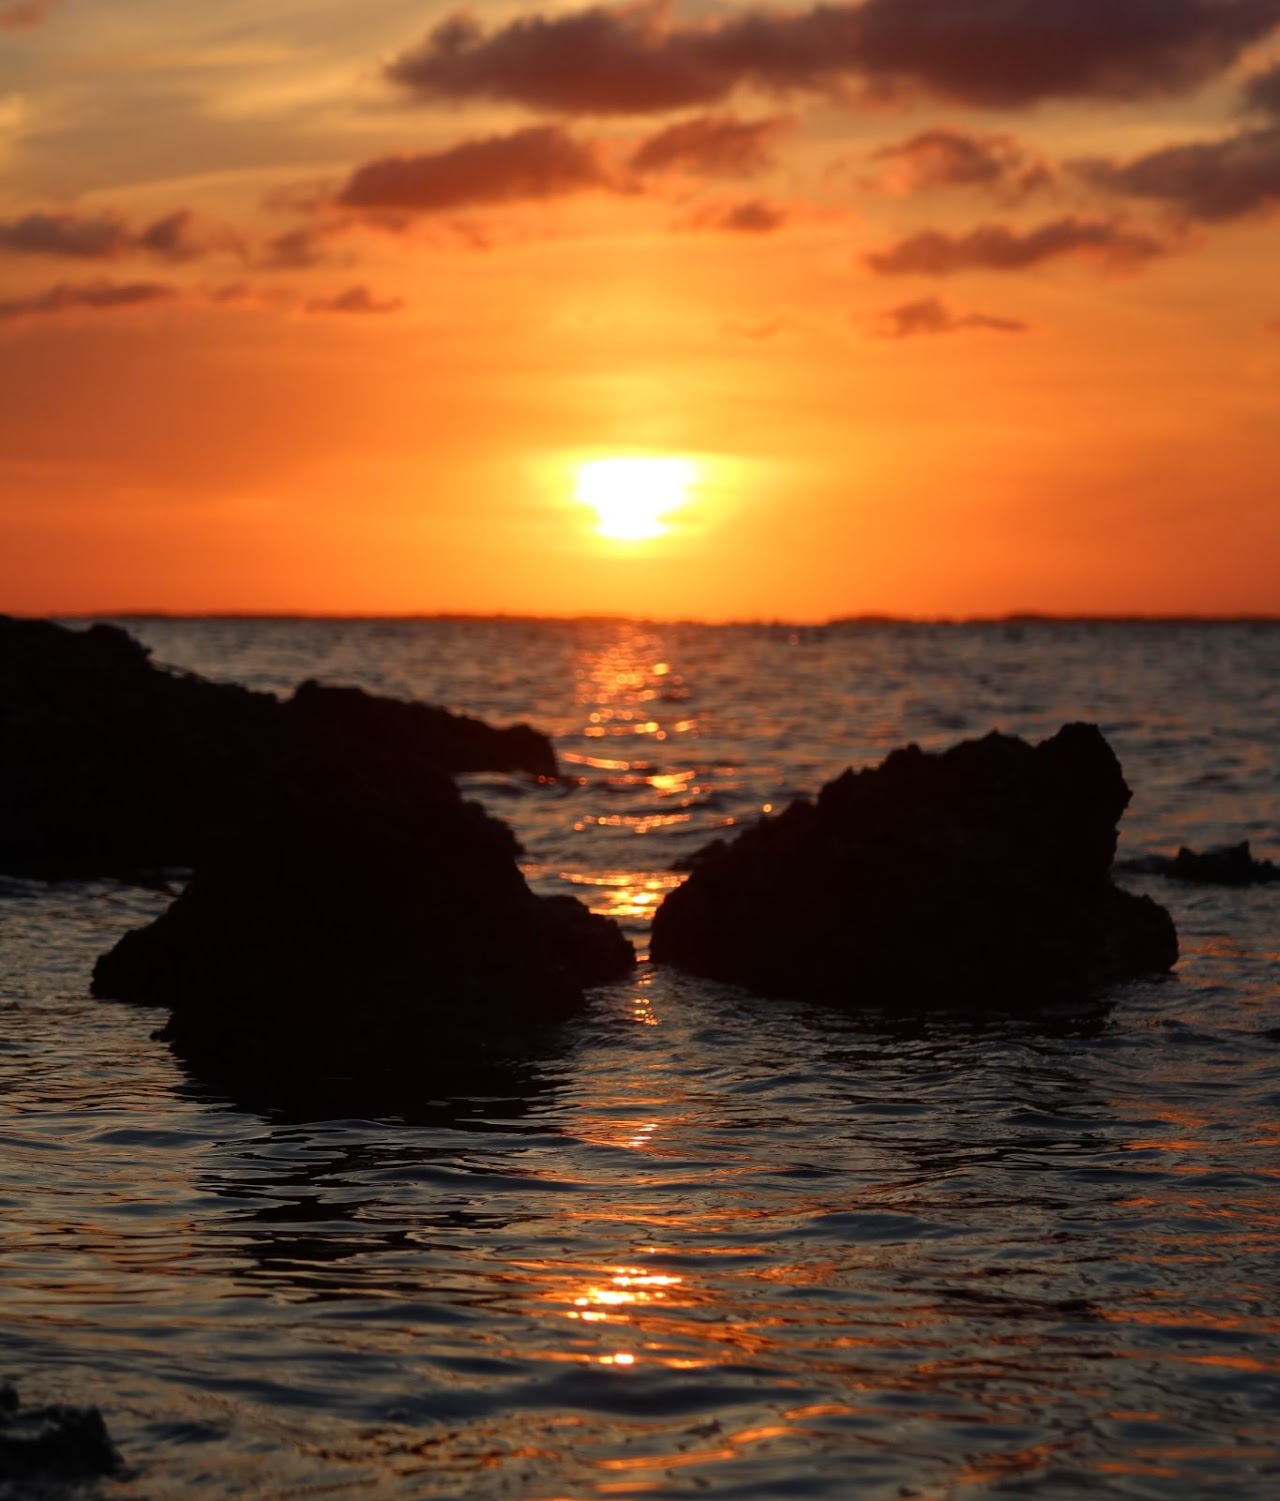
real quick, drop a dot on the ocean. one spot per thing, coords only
(707, 1244)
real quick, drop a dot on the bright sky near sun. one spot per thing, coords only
(702, 309)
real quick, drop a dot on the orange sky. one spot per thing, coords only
(957, 306)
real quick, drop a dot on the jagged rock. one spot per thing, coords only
(110, 765)
(55, 1443)
(348, 932)
(974, 878)
(1226, 865)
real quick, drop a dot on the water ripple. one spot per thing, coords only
(710, 1245)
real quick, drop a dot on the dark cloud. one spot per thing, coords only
(932, 316)
(629, 60)
(178, 236)
(596, 61)
(997, 247)
(1014, 52)
(358, 300)
(1210, 181)
(293, 250)
(540, 162)
(237, 294)
(24, 15)
(715, 145)
(97, 296)
(752, 217)
(184, 236)
(63, 233)
(951, 159)
(106, 296)
(1262, 92)
(248, 295)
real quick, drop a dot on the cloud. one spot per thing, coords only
(1262, 92)
(1004, 53)
(24, 15)
(714, 145)
(997, 247)
(943, 158)
(185, 236)
(247, 294)
(357, 299)
(759, 330)
(178, 236)
(98, 237)
(752, 217)
(96, 296)
(108, 296)
(932, 316)
(595, 61)
(294, 249)
(1210, 181)
(540, 162)
(1014, 52)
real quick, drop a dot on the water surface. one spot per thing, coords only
(708, 1245)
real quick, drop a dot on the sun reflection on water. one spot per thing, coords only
(623, 687)
(629, 1285)
(625, 1310)
(626, 893)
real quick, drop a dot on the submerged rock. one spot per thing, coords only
(110, 765)
(350, 933)
(975, 878)
(1226, 865)
(56, 1444)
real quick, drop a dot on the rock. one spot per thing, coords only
(53, 1444)
(977, 878)
(409, 735)
(110, 765)
(1226, 865)
(350, 915)
(351, 933)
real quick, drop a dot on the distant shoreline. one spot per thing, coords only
(1016, 618)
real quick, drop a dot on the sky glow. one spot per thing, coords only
(969, 307)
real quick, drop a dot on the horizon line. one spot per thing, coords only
(868, 618)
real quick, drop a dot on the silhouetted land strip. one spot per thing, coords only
(870, 618)
(110, 765)
(974, 879)
(1225, 865)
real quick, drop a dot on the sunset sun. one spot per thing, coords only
(631, 496)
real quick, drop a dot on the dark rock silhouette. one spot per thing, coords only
(355, 934)
(977, 878)
(110, 765)
(1225, 865)
(350, 915)
(407, 736)
(53, 1447)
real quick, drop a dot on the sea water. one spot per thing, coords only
(707, 1244)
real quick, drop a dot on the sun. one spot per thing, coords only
(630, 496)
